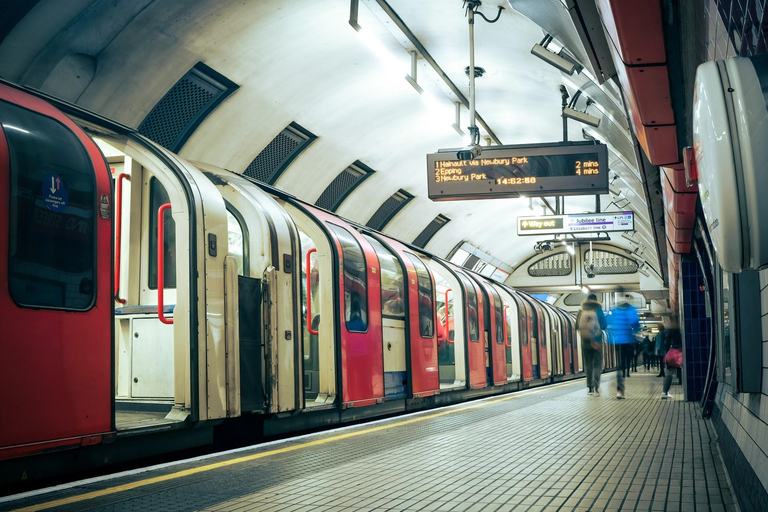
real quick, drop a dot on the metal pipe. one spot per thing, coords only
(398, 21)
(471, 18)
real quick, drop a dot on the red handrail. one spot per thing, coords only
(161, 263)
(447, 318)
(118, 231)
(506, 337)
(309, 294)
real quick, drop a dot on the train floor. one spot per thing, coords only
(550, 448)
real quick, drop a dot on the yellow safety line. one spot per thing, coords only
(256, 456)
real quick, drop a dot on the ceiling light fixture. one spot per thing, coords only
(561, 63)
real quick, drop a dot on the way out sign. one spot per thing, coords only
(54, 192)
(576, 223)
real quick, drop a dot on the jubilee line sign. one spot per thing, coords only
(576, 223)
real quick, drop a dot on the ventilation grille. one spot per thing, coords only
(178, 114)
(389, 209)
(606, 262)
(278, 155)
(343, 185)
(551, 266)
(429, 231)
(574, 299)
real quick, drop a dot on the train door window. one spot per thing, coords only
(237, 239)
(52, 238)
(524, 319)
(392, 291)
(158, 197)
(426, 321)
(355, 281)
(498, 315)
(474, 326)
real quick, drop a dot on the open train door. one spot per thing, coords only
(55, 280)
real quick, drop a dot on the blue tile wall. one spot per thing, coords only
(736, 28)
(696, 329)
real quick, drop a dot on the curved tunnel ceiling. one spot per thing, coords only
(302, 62)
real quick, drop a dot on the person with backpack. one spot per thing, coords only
(591, 322)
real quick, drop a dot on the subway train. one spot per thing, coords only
(150, 304)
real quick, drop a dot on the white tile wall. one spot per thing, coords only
(750, 430)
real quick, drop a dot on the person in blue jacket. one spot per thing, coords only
(623, 322)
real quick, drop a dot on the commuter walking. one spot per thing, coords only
(661, 349)
(647, 351)
(673, 360)
(623, 322)
(591, 322)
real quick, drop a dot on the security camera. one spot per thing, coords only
(559, 62)
(581, 117)
(470, 152)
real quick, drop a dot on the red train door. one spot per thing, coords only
(359, 314)
(55, 280)
(498, 348)
(474, 329)
(565, 341)
(525, 320)
(423, 368)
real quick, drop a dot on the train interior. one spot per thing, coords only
(511, 336)
(450, 351)
(320, 343)
(150, 352)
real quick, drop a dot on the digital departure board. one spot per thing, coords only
(576, 223)
(511, 171)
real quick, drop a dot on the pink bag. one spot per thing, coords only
(674, 358)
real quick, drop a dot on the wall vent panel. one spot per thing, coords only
(433, 227)
(274, 159)
(556, 265)
(389, 209)
(607, 262)
(177, 115)
(343, 185)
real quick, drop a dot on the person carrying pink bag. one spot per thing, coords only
(673, 360)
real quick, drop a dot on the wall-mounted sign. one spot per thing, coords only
(510, 171)
(573, 223)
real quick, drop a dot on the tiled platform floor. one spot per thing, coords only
(549, 449)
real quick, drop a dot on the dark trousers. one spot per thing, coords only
(626, 352)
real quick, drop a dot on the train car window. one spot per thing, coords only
(474, 326)
(236, 237)
(392, 291)
(52, 238)
(524, 319)
(158, 197)
(498, 314)
(426, 321)
(355, 281)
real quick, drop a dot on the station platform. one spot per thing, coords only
(550, 448)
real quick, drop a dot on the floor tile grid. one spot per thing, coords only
(623, 441)
(538, 503)
(556, 450)
(459, 506)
